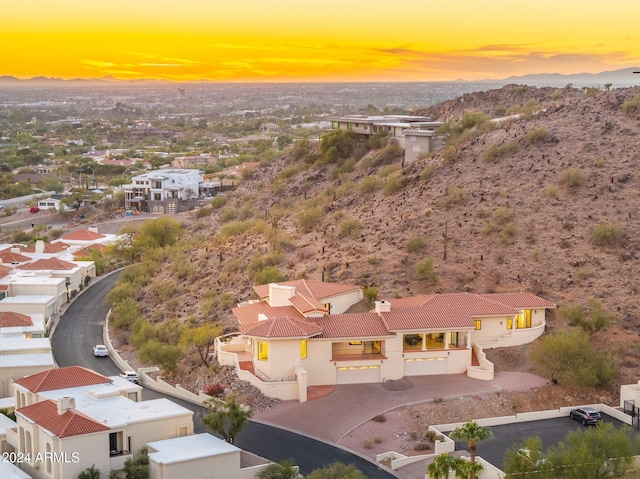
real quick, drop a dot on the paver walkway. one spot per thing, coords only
(331, 417)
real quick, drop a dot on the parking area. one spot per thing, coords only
(551, 431)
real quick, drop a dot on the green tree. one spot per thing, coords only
(526, 459)
(337, 470)
(138, 467)
(338, 145)
(226, 418)
(568, 357)
(90, 473)
(10, 415)
(158, 233)
(78, 196)
(282, 470)
(472, 433)
(163, 354)
(600, 452)
(201, 339)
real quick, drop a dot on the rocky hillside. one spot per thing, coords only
(547, 203)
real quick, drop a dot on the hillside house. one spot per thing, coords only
(162, 191)
(88, 418)
(291, 338)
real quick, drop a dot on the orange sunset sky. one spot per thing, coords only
(327, 40)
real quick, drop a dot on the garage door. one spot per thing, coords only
(425, 366)
(358, 374)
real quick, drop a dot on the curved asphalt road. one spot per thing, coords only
(80, 328)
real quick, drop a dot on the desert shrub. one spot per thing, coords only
(337, 145)
(379, 418)
(494, 152)
(389, 153)
(387, 170)
(124, 313)
(369, 185)
(269, 274)
(450, 155)
(345, 167)
(427, 172)
(378, 140)
(310, 218)
(607, 235)
(571, 177)
(536, 135)
(165, 355)
(571, 313)
(415, 244)
(394, 184)
(349, 227)
(235, 228)
(631, 106)
(260, 262)
(530, 107)
(568, 358)
(289, 172)
(368, 443)
(422, 446)
(371, 293)
(595, 321)
(455, 196)
(425, 270)
(502, 215)
(509, 231)
(204, 212)
(229, 214)
(218, 202)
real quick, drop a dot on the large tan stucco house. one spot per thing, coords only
(299, 334)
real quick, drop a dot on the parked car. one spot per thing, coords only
(586, 415)
(34, 209)
(100, 350)
(130, 376)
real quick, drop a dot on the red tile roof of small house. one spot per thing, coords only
(248, 313)
(62, 378)
(310, 288)
(4, 271)
(10, 319)
(83, 235)
(520, 300)
(55, 264)
(48, 248)
(71, 423)
(7, 257)
(87, 250)
(354, 325)
(281, 328)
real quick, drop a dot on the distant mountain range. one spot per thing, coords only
(618, 78)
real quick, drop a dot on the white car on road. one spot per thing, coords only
(100, 350)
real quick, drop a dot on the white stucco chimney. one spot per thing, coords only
(39, 246)
(383, 306)
(93, 229)
(279, 295)
(66, 403)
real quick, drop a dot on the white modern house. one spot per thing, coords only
(162, 191)
(289, 340)
(191, 456)
(83, 418)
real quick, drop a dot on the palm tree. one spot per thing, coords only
(442, 465)
(472, 433)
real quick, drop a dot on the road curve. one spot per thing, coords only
(80, 328)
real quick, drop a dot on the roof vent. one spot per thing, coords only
(66, 403)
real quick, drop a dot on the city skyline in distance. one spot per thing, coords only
(294, 41)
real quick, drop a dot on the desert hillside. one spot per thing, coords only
(521, 204)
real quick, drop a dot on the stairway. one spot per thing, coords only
(247, 366)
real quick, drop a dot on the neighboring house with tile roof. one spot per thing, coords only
(44, 305)
(287, 343)
(72, 272)
(89, 419)
(12, 258)
(24, 349)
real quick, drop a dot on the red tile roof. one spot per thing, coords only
(62, 378)
(304, 304)
(355, 325)
(281, 328)
(83, 235)
(55, 264)
(452, 310)
(8, 257)
(520, 300)
(4, 271)
(411, 301)
(10, 319)
(310, 288)
(71, 423)
(87, 250)
(48, 248)
(248, 313)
